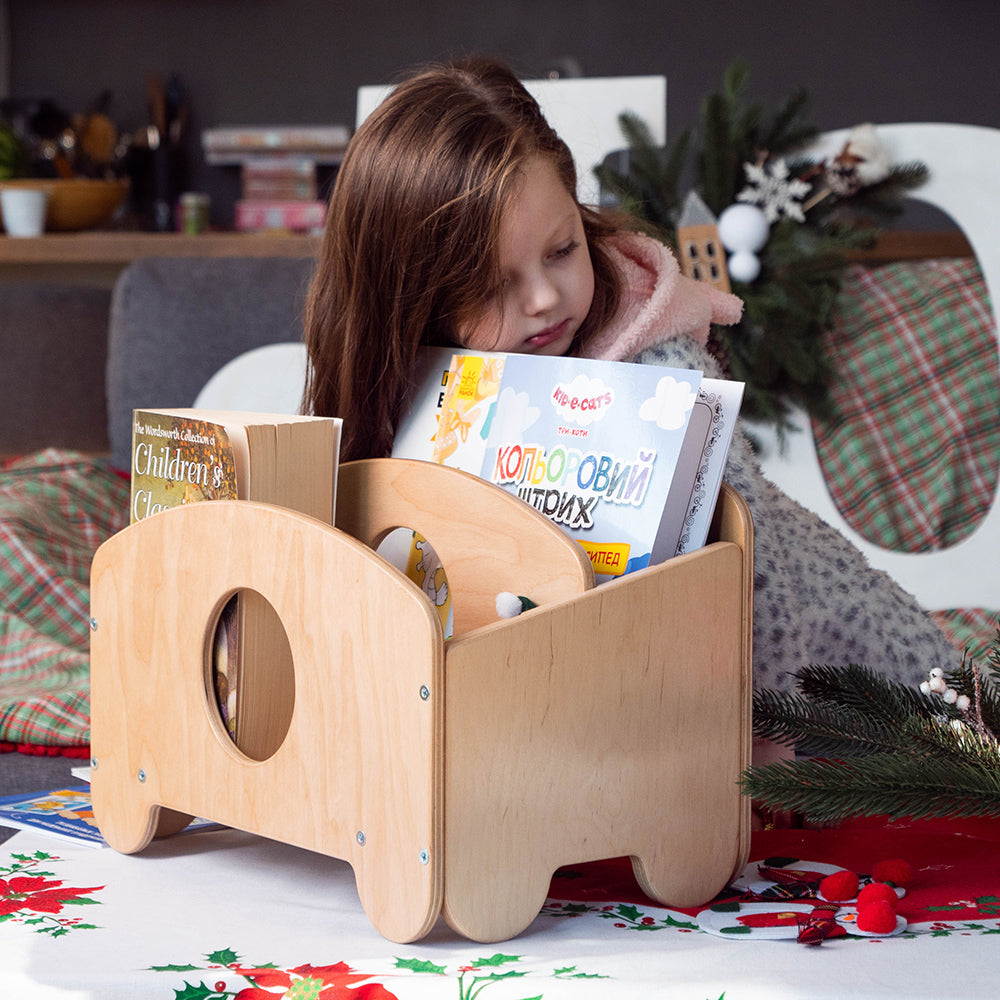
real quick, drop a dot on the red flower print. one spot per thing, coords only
(309, 982)
(32, 892)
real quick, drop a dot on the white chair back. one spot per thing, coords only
(268, 379)
(964, 164)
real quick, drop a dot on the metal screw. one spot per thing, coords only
(93, 762)
(425, 692)
(361, 838)
(141, 775)
(93, 624)
(424, 856)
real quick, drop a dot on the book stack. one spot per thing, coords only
(279, 171)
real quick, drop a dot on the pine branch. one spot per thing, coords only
(859, 688)
(983, 692)
(884, 785)
(718, 161)
(793, 720)
(787, 132)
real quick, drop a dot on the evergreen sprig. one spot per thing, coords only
(873, 746)
(777, 347)
(883, 785)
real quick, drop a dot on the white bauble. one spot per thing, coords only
(743, 266)
(743, 227)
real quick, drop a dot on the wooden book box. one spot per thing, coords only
(455, 777)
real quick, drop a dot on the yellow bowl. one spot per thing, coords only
(77, 202)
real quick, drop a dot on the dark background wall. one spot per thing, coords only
(301, 61)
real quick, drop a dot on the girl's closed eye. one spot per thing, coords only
(565, 251)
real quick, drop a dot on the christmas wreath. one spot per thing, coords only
(788, 220)
(878, 748)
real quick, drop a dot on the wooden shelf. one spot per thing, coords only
(122, 247)
(902, 245)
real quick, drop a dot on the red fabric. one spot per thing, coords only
(36, 750)
(956, 873)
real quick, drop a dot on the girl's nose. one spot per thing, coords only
(540, 295)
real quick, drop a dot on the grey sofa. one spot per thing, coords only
(77, 360)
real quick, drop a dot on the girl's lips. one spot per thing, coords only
(548, 335)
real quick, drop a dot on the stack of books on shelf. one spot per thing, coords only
(278, 167)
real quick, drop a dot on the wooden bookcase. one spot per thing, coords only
(455, 777)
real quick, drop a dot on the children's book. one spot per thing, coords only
(65, 813)
(698, 478)
(183, 456)
(602, 448)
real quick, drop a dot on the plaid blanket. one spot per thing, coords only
(912, 451)
(56, 507)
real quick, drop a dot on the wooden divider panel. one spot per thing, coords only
(488, 540)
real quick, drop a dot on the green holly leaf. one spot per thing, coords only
(735, 930)
(226, 956)
(173, 968)
(685, 924)
(419, 965)
(86, 927)
(630, 912)
(573, 909)
(194, 992)
(497, 976)
(81, 901)
(498, 959)
(570, 973)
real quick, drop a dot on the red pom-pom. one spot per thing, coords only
(876, 891)
(897, 871)
(877, 918)
(839, 886)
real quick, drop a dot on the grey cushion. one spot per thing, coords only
(175, 322)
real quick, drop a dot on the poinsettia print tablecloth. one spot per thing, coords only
(223, 914)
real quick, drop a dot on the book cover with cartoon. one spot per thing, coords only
(593, 445)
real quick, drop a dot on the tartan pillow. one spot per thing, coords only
(911, 452)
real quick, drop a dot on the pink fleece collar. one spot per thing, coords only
(660, 302)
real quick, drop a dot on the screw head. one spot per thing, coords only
(93, 763)
(425, 692)
(361, 838)
(142, 774)
(424, 856)
(93, 624)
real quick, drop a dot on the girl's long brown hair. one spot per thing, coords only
(410, 248)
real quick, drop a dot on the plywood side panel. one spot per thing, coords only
(357, 776)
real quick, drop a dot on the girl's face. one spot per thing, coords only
(548, 279)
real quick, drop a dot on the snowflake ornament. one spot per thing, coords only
(770, 187)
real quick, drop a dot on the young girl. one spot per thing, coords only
(454, 220)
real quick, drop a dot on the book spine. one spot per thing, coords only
(296, 215)
(275, 137)
(323, 144)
